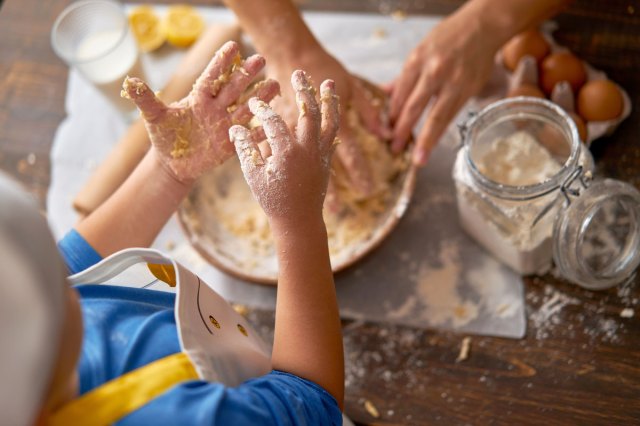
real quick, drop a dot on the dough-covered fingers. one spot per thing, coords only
(264, 90)
(330, 114)
(248, 153)
(257, 134)
(274, 126)
(216, 74)
(242, 74)
(308, 127)
(149, 105)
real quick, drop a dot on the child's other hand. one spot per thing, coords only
(191, 135)
(290, 185)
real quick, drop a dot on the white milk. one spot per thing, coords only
(105, 60)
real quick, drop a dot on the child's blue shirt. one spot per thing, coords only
(126, 328)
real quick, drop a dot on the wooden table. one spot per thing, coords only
(577, 365)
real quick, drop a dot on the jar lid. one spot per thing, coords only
(597, 236)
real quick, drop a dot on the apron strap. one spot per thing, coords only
(123, 395)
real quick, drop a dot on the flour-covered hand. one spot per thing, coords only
(191, 135)
(320, 65)
(291, 183)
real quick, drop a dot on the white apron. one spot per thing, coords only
(219, 344)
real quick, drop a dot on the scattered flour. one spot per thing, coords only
(492, 285)
(404, 310)
(450, 293)
(438, 290)
(607, 328)
(593, 318)
(547, 316)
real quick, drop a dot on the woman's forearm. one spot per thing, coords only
(308, 338)
(501, 19)
(134, 215)
(275, 27)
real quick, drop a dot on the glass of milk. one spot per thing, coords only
(93, 36)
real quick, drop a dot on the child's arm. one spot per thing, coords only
(137, 211)
(188, 138)
(290, 186)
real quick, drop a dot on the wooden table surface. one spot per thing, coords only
(580, 360)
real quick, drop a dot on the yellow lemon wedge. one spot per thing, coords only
(146, 28)
(182, 25)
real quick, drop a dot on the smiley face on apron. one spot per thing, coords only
(219, 341)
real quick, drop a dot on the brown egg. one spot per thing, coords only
(562, 66)
(530, 42)
(600, 100)
(582, 128)
(525, 90)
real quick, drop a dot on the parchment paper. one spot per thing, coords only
(427, 274)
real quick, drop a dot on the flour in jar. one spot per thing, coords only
(507, 228)
(517, 160)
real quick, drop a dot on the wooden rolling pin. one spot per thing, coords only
(134, 144)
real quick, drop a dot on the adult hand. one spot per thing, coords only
(319, 65)
(451, 64)
(291, 183)
(191, 136)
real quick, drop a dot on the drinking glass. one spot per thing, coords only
(93, 36)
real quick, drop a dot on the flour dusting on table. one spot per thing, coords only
(438, 289)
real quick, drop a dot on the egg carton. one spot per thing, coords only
(526, 71)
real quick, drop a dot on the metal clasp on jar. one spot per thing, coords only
(579, 173)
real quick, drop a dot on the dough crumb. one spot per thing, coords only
(241, 309)
(379, 32)
(399, 15)
(465, 347)
(180, 147)
(371, 409)
(627, 313)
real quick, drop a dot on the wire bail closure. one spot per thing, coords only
(463, 127)
(567, 191)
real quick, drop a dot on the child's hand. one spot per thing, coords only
(290, 184)
(191, 135)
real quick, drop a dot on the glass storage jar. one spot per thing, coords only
(525, 192)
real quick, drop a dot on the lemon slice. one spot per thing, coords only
(182, 25)
(146, 28)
